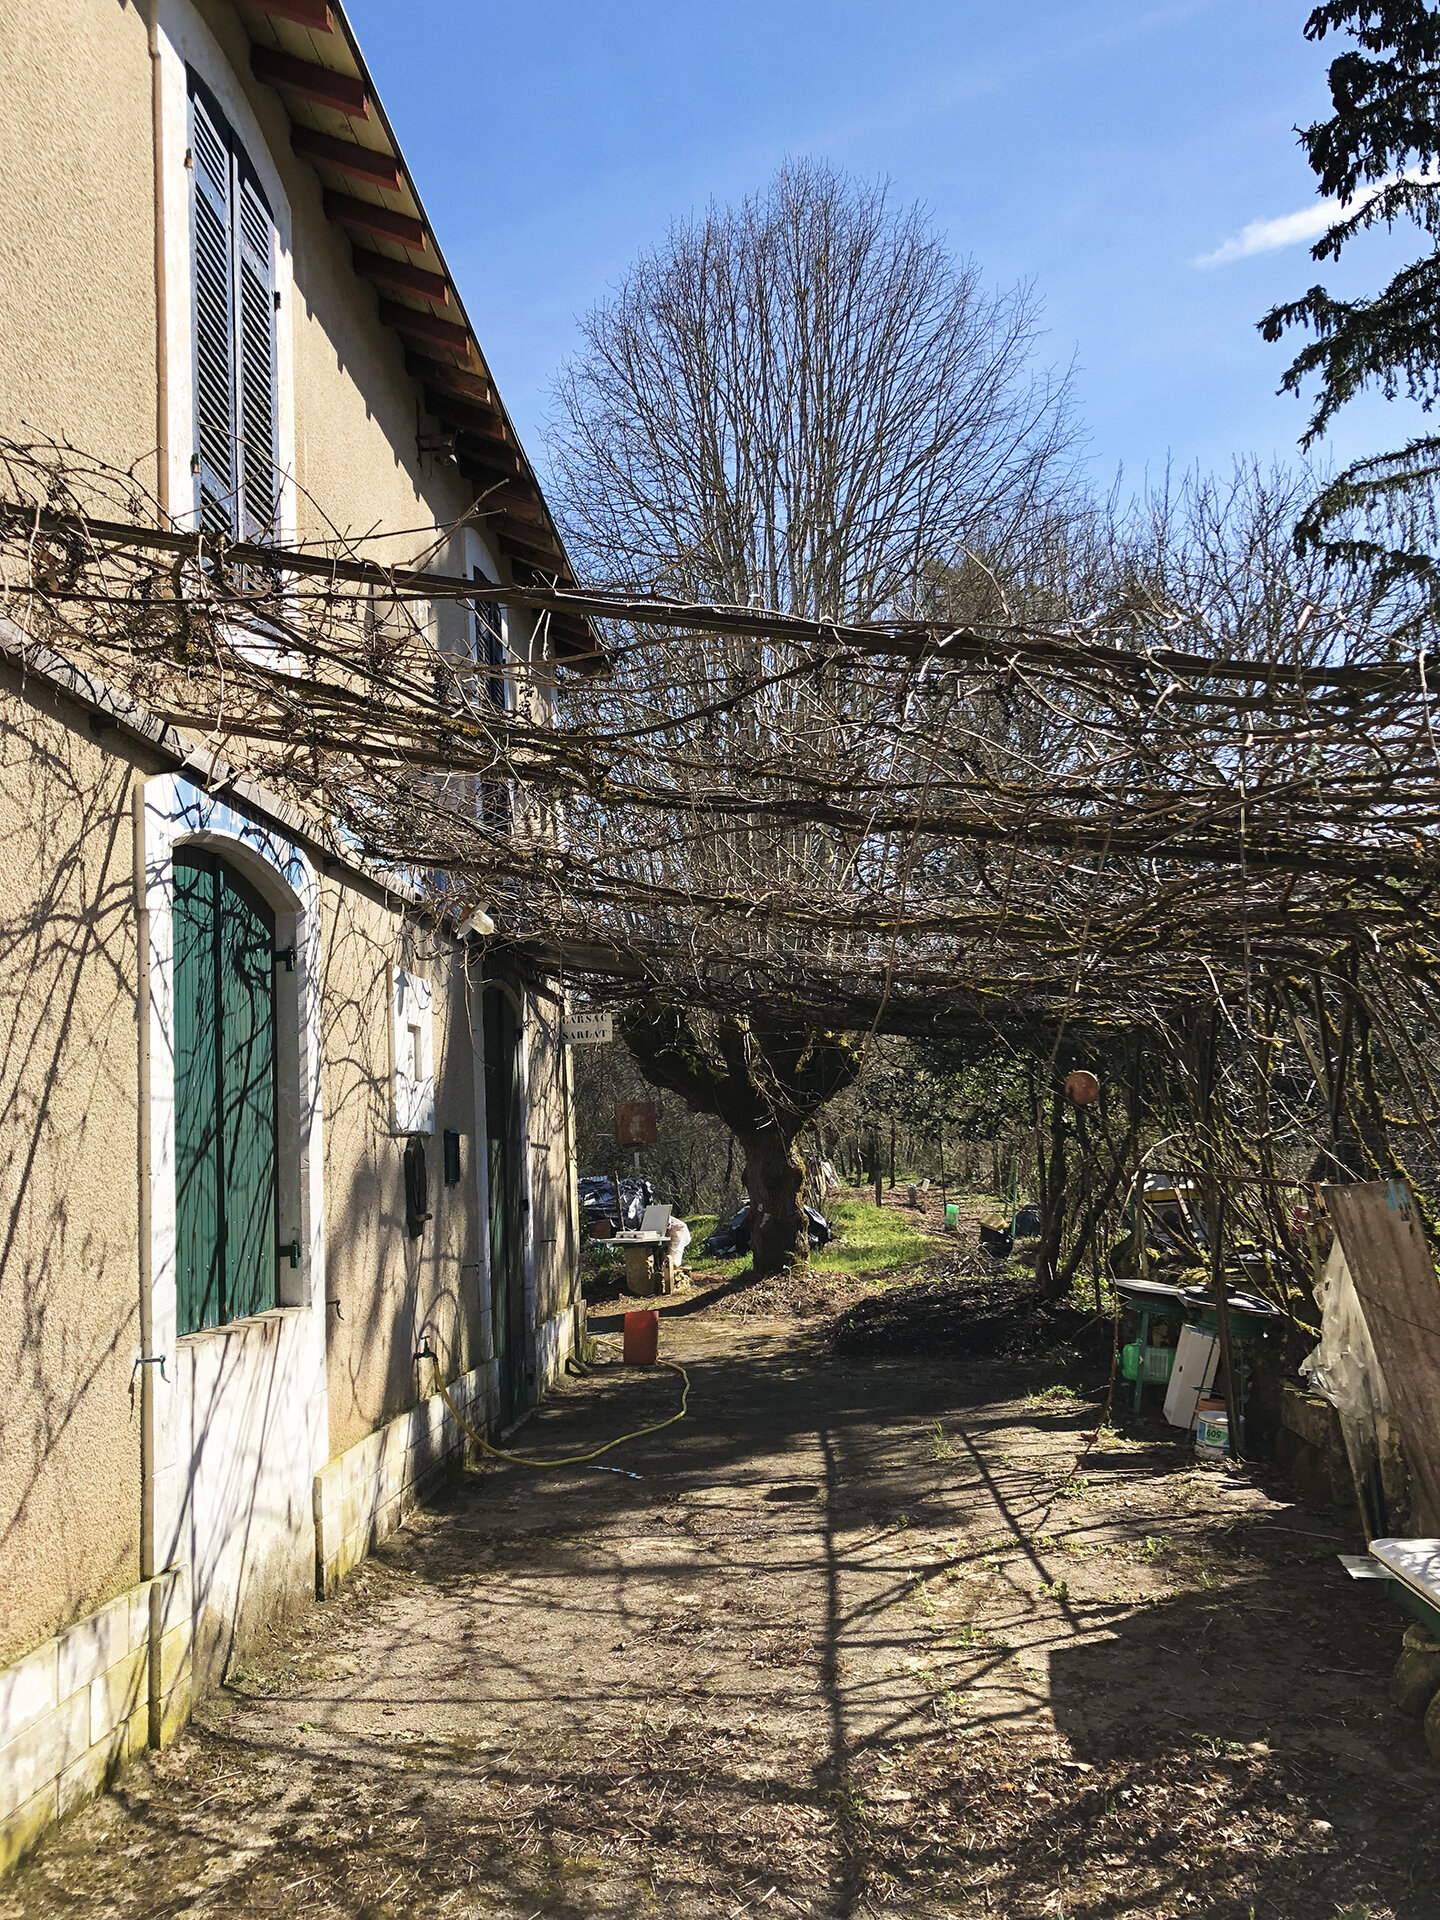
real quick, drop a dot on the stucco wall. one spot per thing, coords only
(69, 1275)
(77, 270)
(393, 1293)
(77, 246)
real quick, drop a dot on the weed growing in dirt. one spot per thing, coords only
(1156, 1547)
(1056, 1589)
(941, 1445)
(1051, 1396)
(258, 1682)
(1073, 1488)
(969, 1635)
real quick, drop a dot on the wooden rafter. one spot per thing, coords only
(343, 156)
(362, 216)
(424, 326)
(485, 421)
(460, 381)
(342, 91)
(399, 273)
(314, 14)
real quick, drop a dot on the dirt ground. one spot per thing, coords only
(860, 1635)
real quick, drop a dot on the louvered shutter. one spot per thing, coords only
(213, 247)
(256, 362)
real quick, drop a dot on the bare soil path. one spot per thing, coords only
(860, 1639)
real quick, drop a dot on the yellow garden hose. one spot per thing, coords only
(571, 1459)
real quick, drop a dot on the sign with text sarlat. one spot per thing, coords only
(635, 1123)
(588, 1029)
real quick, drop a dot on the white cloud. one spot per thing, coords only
(1266, 236)
(1294, 229)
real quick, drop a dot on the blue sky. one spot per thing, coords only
(1099, 149)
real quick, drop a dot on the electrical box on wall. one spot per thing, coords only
(412, 1054)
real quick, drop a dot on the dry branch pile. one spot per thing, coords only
(1100, 823)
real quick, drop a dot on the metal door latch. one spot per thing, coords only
(290, 1250)
(151, 1360)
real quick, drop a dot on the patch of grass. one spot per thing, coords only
(871, 1243)
(701, 1224)
(941, 1445)
(1051, 1396)
(1156, 1547)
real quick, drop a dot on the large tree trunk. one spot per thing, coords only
(765, 1080)
(774, 1180)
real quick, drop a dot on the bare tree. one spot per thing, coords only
(803, 404)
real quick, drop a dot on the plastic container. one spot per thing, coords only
(1150, 1364)
(642, 1339)
(1212, 1431)
(952, 1216)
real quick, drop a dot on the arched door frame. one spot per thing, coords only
(179, 813)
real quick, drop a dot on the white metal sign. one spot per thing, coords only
(589, 1029)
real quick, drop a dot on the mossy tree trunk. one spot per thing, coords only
(765, 1080)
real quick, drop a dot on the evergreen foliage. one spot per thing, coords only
(1376, 155)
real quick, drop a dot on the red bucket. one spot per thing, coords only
(642, 1338)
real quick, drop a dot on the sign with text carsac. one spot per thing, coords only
(589, 1029)
(635, 1123)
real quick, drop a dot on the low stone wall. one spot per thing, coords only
(75, 1709)
(362, 1495)
(562, 1334)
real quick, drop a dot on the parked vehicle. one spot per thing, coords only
(728, 1242)
(597, 1200)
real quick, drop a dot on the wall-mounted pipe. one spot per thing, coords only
(145, 1367)
(162, 344)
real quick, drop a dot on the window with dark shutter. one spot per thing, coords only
(233, 246)
(256, 362)
(494, 802)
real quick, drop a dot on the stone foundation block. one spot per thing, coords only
(28, 1691)
(1416, 1678)
(36, 1758)
(27, 1825)
(77, 1709)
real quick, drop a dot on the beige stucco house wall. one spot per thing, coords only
(69, 1272)
(156, 1520)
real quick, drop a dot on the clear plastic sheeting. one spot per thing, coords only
(1344, 1370)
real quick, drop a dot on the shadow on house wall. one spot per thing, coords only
(69, 1275)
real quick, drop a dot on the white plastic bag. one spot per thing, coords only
(679, 1235)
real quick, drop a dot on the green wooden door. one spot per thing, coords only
(507, 1246)
(225, 1187)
